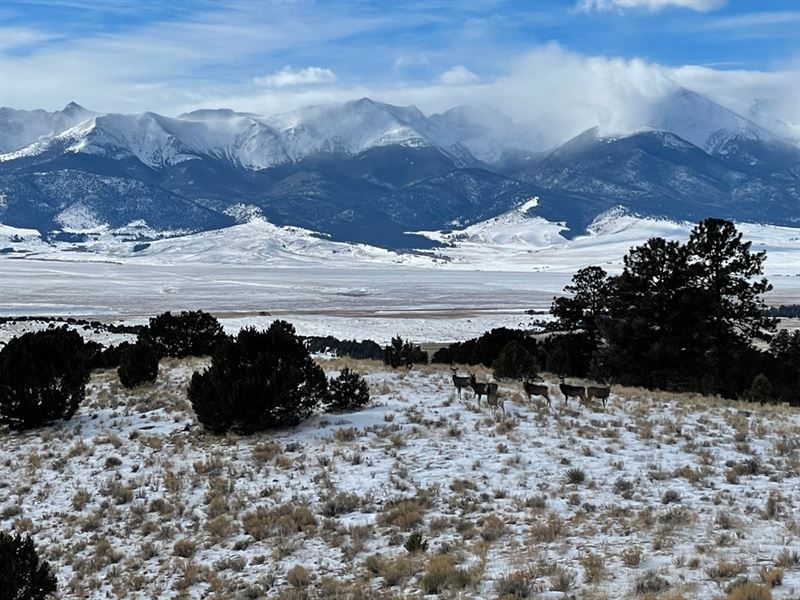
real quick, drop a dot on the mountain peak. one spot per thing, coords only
(73, 107)
(213, 114)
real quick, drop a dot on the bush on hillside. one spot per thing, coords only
(109, 357)
(192, 333)
(22, 575)
(761, 390)
(138, 364)
(569, 354)
(355, 349)
(484, 349)
(258, 380)
(347, 392)
(515, 362)
(43, 375)
(402, 353)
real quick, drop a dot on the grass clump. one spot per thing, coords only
(441, 573)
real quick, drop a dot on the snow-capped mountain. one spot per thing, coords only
(369, 172)
(19, 128)
(701, 121)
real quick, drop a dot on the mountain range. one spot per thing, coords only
(365, 171)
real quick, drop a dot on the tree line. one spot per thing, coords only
(680, 316)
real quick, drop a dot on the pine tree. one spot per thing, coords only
(43, 375)
(761, 390)
(138, 364)
(259, 380)
(515, 362)
(588, 304)
(347, 392)
(23, 576)
(403, 353)
(685, 315)
(191, 333)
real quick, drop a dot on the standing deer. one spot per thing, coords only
(480, 389)
(460, 381)
(493, 398)
(536, 389)
(600, 392)
(571, 391)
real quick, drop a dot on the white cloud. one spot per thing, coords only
(12, 38)
(410, 60)
(458, 75)
(288, 76)
(651, 5)
(208, 62)
(756, 21)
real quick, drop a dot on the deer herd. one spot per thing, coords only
(584, 394)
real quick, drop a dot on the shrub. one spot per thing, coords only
(761, 390)
(441, 573)
(569, 353)
(518, 585)
(298, 577)
(349, 391)
(138, 364)
(403, 353)
(192, 333)
(650, 582)
(355, 349)
(106, 358)
(631, 556)
(515, 362)
(42, 377)
(416, 543)
(749, 591)
(22, 575)
(259, 380)
(574, 476)
(485, 349)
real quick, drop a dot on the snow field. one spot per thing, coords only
(131, 498)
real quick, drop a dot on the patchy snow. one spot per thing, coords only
(131, 498)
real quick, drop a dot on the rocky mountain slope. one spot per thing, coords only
(366, 171)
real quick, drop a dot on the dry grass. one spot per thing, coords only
(659, 496)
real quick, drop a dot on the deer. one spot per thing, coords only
(460, 381)
(571, 391)
(480, 389)
(493, 398)
(536, 389)
(601, 392)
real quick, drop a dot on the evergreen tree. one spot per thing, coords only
(347, 392)
(685, 315)
(568, 353)
(403, 353)
(138, 364)
(654, 330)
(783, 365)
(587, 305)
(486, 348)
(23, 576)
(761, 390)
(43, 375)
(192, 333)
(259, 380)
(726, 277)
(515, 362)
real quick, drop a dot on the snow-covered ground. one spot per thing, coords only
(487, 273)
(132, 499)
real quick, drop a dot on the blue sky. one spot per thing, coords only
(133, 55)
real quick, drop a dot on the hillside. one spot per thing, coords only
(657, 492)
